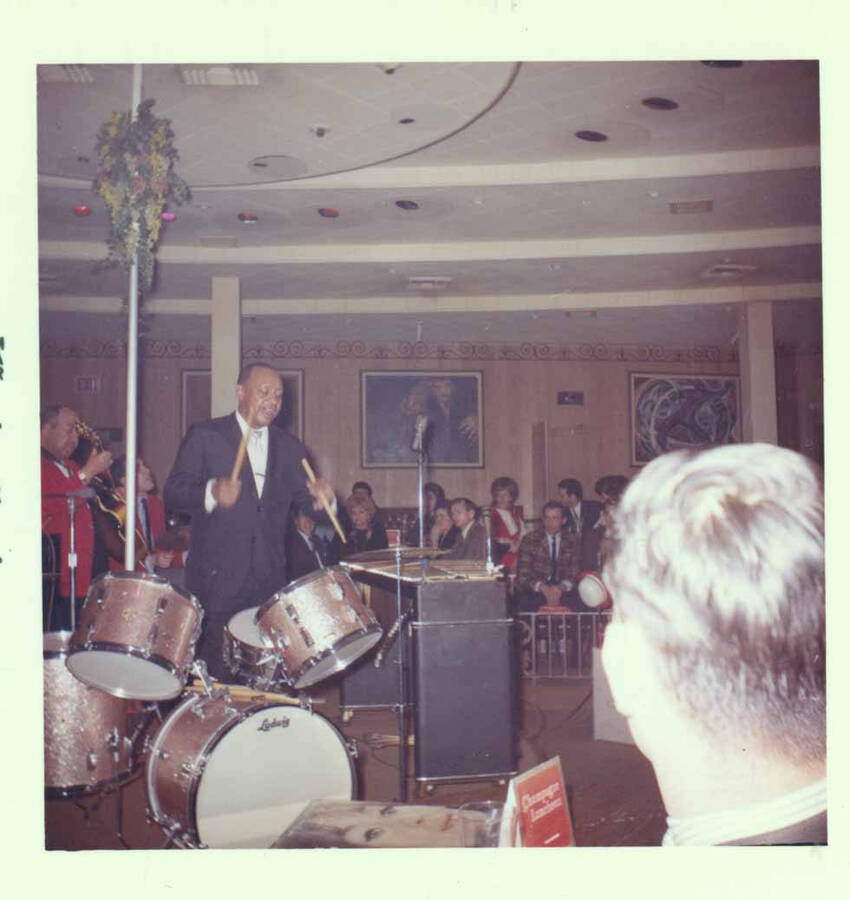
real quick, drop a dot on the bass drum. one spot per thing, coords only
(89, 736)
(227, 775)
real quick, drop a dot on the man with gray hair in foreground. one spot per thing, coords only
(715, 653)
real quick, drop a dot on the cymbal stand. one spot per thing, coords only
(401, 706)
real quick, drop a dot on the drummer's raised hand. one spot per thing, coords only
(226, 492)
(319, 488)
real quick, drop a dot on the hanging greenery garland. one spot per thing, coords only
(136, 179)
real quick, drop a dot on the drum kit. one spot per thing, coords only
(226, 767)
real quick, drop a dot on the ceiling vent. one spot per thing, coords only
(219, 76)
(428, 282)
(728, 270)
(680, 207)
(220, 241)
(65, 74)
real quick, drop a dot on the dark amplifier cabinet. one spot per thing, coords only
(462, 681)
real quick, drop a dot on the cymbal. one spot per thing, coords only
(390, 553)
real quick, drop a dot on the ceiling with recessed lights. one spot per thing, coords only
(479, 201)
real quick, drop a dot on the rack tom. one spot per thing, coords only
(136, 636)
(318, 625)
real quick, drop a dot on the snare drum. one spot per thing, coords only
(136, 636)
(222, 774)
(249, 655)
(89, 736)
(318, 625)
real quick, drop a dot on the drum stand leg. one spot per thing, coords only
(119, 817)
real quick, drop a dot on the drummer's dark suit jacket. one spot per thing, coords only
(228, 544)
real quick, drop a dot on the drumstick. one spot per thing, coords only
(311, 475)
(240, 453)
(239, 692)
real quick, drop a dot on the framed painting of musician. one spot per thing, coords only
(674, 412)
(445, 406)
(197, 400)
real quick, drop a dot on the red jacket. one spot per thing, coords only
(55, 519)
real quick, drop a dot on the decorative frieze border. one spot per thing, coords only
(401, 350)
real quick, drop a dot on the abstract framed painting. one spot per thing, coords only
(448, 403)
(674, 412)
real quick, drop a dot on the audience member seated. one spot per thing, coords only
(444, 532)
(716, 651)
(547, 564)
(505, 523)
(306, 550)
(365, 533)
(472, 538)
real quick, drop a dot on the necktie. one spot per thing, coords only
(577, 520)
(257, 457)
(553, 557)
(146, 523)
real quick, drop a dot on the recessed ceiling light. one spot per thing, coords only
(722, 63)
(659, 103)
(407, 120)
(328, 212)
(594, 137)
(409, 205)
(320, 130)
(82, 210)
(248, 218)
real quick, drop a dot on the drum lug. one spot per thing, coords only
(91, 760)
(190, 770)
(351, 746)
(306, 703)
(163, 754)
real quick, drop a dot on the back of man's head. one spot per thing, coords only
(718, 557)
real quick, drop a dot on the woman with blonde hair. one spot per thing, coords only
(505, 523)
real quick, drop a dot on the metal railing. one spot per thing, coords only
(559, 644)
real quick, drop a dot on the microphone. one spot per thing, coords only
(419, 433)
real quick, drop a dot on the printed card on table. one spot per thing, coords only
(536, 811)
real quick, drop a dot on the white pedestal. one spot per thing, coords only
(608, 724)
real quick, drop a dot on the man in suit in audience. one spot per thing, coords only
(237, 554)
(547, 563)
(716, 650)
(472, 538)
(580, 515)
(306, 550)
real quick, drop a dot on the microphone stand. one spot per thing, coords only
(72, 558)
(401, 707)
(419, 447)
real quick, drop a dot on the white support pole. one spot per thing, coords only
(132, 376)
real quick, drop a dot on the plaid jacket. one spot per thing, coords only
(533, 564)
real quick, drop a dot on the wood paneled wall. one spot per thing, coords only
(584, 442)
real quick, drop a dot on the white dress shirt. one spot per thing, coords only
(258, 454)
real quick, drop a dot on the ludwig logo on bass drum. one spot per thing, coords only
(268, 724)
